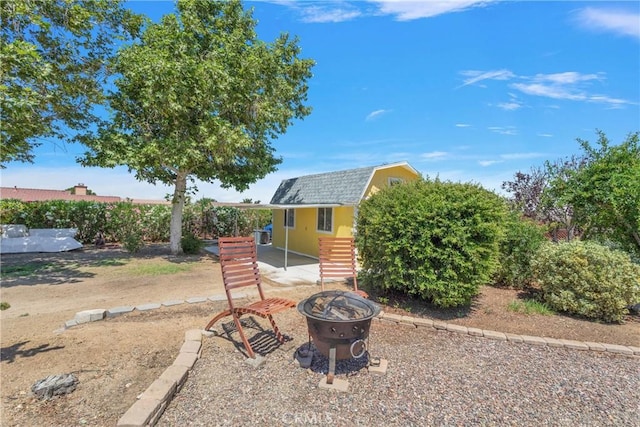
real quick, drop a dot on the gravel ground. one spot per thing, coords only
(434, 378)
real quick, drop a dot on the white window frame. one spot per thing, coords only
(318, 219)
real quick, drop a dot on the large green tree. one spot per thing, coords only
(605, 192)
(200, 96)
(556, 202)
(543, 194)
(53, 57)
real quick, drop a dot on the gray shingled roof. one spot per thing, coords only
(343, 187)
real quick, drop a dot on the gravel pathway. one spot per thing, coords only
(434, 378)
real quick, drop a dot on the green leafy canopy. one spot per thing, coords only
(53, 63)
(201, 96)
(605, 192)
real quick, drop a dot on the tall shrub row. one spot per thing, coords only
(125, 221)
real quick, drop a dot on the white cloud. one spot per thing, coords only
(550, 91)
(545, 135)
(504, 130)
(375, 114)
(614, 103)
(568, 85)
(485, 163)
(474, 76)
(434, 155)
(568, 77)
(407, 10)
(323, 14)
(620, 22)
(332, 11)
(509, 106)
(513, 104)
(462, 125)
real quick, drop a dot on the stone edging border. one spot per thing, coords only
(150, 405)
(96, 314)
(500, 336)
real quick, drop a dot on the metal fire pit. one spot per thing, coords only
(338, 323)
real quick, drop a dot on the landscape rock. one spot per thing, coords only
(54, 385)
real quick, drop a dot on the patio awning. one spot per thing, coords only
(270, 206)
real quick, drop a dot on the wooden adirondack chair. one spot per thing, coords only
(338, 259)
(239, 264)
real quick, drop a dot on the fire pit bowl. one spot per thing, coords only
(339, 320)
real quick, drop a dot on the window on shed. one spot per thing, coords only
(325, 219)
(395, 181)
(289, 218)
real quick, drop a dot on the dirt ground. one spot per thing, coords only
(116, 359)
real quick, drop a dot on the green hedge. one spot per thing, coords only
(435, 240)
(122, 221)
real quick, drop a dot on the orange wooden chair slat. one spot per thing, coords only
(337, 258)
(239, 265)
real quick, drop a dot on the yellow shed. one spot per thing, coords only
(325, 204)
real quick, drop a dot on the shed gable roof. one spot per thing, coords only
(345, 187)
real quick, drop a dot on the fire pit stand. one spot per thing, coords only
(338, 323)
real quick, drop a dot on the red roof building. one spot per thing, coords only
(80, 190)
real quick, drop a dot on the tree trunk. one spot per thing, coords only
(176, 214)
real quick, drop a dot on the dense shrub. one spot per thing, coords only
(88, 218)
(522, 239)
(191, 245)
(125, 225)
(12, 211)
(228, 221)
(156, 221)
(435, 240)
(587, 279)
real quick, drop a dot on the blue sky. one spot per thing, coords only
(464, 90)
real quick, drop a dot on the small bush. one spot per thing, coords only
(132, 241)
(522, 240)
(191, 245)
(126, 226)
(587, 279)
(431, 239)
(4, 305)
